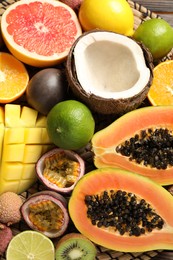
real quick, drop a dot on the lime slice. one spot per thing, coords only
(30, 245)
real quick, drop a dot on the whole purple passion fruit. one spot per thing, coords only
(59, 169)
(46, 212)
(46, 88)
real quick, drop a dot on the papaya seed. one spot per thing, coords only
(122, 211)
(151, 147)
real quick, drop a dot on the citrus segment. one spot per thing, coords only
(40, 33)
(161, 90)
(13, 78)
(30, 245)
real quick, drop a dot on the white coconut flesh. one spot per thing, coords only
(110, 65)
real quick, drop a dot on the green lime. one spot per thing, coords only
(30, 245)
(70, 125)
(157, 35)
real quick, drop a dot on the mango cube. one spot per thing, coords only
(23, 139)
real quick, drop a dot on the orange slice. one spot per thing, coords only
(161, 90)
(40, 32)
(13, 78)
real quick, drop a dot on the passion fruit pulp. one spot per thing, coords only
(59, 169)
(46, 212)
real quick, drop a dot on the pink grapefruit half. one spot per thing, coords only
(40, 32)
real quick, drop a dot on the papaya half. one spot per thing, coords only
(122, 211)
(140, 141)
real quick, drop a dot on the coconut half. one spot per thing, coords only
(110, 72)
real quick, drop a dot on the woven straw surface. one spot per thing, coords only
(140, 14)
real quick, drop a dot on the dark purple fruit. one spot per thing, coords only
(59, 169)
(45, 89)
(46, 212)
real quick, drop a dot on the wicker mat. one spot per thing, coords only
(140, 13)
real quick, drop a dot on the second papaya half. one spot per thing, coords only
(140, 141)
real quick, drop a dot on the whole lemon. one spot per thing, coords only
(111, 15)
(157, 35)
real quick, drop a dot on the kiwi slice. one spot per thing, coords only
(75, 246)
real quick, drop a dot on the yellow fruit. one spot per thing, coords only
(161, 90)
(23, 139)
(112, 15)
(30, 245)
(13, 78)
(157, 35)
(70, 125)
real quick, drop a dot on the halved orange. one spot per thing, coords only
(40, 32)
(161, 90)
(13, 78)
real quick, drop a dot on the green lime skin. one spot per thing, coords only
(70, 125)
(157, 35)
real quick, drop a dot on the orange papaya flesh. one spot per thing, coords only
(106, 179)
(106, 141)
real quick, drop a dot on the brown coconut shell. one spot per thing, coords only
(101, 104)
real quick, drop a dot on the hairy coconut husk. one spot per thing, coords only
(100, 104)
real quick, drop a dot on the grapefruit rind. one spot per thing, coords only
(32, 57)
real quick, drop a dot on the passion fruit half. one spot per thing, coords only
(46, 212)
(59, 170)
(109, 72)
